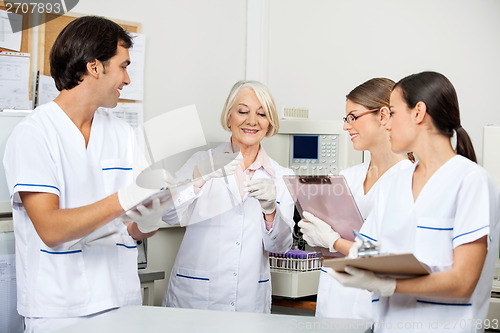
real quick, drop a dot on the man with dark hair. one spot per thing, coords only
(71, 169)
(82, 41)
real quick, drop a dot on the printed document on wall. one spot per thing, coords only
(47, 90)
(135, 90)
(8, 39)
(14, 81)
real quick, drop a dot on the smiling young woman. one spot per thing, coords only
(367, 112)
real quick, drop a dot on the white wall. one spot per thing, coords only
(195, 51)
(312, 53)
(319, 50)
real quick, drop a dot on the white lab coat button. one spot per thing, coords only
(237, 243)
(232, 303)
(235, 273)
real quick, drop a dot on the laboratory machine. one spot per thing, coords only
(312, 147)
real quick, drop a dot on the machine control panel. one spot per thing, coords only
(314, 154)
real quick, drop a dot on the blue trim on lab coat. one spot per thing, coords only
(116, 168)
(447, 304)
(192, 277)
(127, 246)
(41, 185)
(470, 232)
(62, 252)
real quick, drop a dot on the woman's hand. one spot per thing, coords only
(264, 190)
(317, 232)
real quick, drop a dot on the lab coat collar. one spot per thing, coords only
(262, 160)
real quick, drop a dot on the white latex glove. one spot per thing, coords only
(353, 251)
(363, 279)
(317, 232)
(264, 190)
(218, 166)
(149, 219)
(133, 194)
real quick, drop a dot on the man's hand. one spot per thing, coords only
(149, 219)
(136, 234)
(133, 194)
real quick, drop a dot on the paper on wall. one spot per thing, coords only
(14, 81)
(47, 90)
(8, 39)
(135, 90)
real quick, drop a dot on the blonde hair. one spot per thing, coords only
(263, 95)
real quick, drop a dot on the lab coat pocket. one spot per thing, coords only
(190, 288)
(434, 245)
(445, 315)
(116, 173)
(263, 297)
(68, 287)
(127, 265)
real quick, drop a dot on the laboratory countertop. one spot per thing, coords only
(151, 319)
(148, 275)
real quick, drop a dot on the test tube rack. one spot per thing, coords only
(295, 260)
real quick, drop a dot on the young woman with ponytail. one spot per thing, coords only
(445, 210)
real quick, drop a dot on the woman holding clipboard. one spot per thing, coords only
(367, 113)
(445, 210)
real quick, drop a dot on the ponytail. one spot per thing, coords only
(464, 144)
(411, 157)
(441, 100)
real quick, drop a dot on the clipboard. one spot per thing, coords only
(330, 199)
(165, 195)
(390, 264)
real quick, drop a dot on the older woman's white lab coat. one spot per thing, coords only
(223, 261)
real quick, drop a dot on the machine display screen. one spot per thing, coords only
(305, 146)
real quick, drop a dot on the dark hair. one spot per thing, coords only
(82, 41)
(441, 100)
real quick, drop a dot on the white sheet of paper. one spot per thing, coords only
(135, 90)
(47, 90)
(174, 132)
(8, 39)
(14, 82)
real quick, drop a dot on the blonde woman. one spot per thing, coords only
(223, 261)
